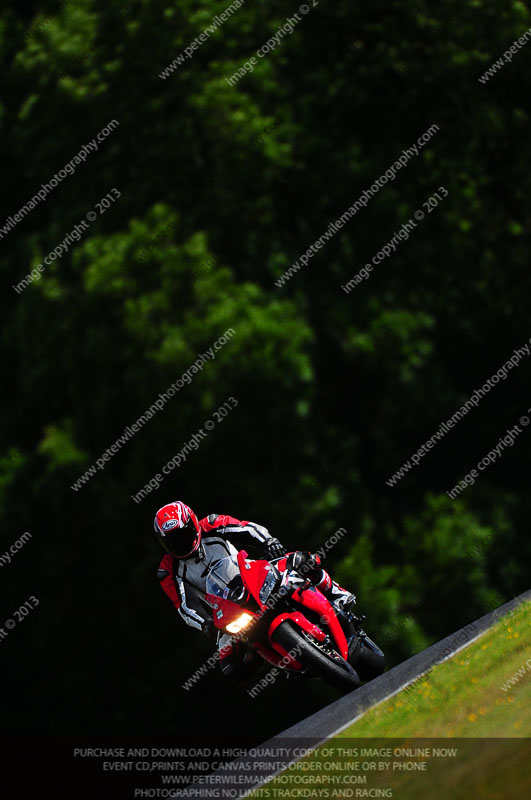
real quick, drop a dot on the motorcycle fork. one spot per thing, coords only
(351, 625)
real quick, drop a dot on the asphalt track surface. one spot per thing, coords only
(254, 768)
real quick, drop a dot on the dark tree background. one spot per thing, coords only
(334, 391)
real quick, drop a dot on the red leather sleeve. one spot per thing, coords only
(225, 519)
(214, 521)
(165, 575)
(281, 565)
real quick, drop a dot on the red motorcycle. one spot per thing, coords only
(290, 623)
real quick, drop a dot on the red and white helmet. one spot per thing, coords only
(177, 529)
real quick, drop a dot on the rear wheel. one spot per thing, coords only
(320, 661)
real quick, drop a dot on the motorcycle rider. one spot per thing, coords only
(194, 546)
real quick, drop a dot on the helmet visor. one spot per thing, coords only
(183, 541)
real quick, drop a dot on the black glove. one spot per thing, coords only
(274, 549)
(306, 563)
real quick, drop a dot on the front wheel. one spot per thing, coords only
(370, 660)
(319, 661)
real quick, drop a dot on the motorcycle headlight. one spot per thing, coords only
(268, 585)
(239, 624)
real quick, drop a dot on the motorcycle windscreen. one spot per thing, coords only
(224, 581)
